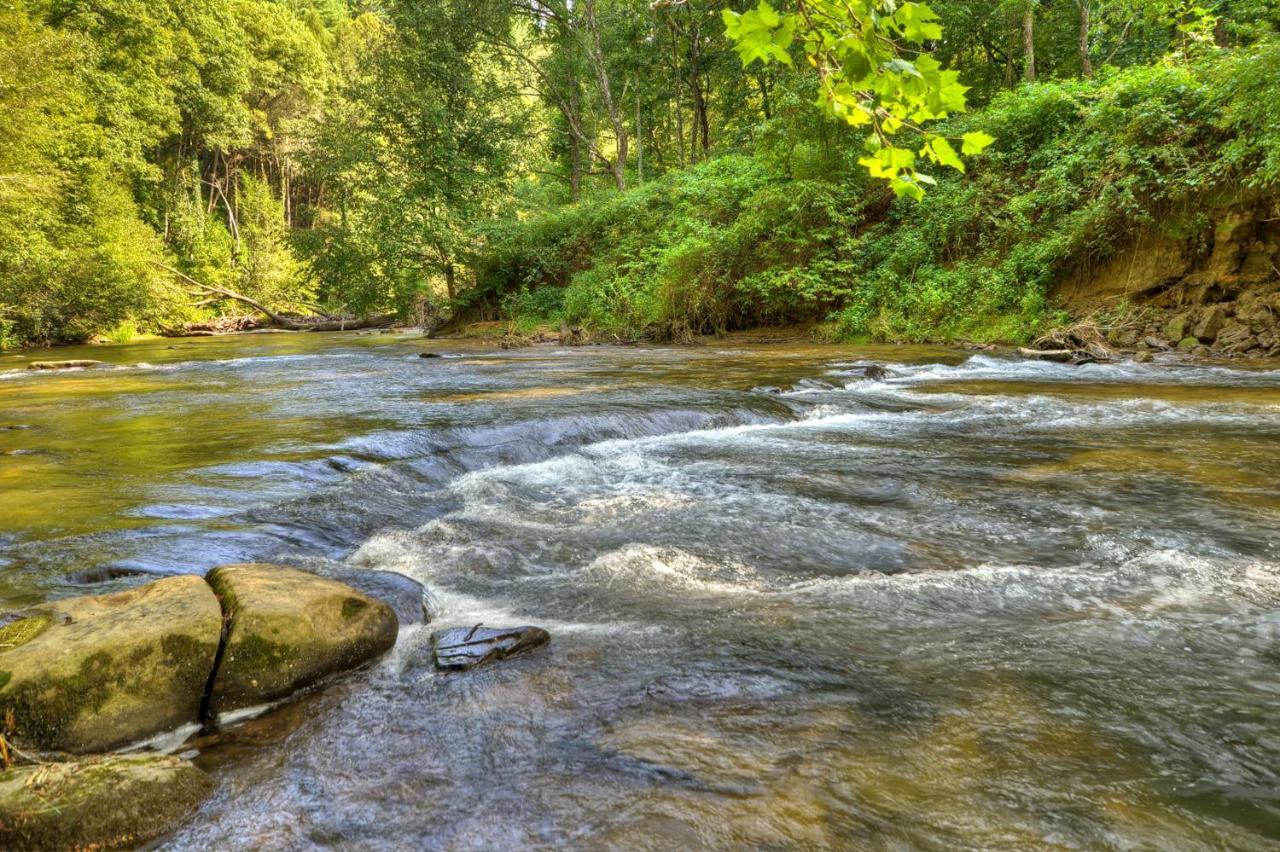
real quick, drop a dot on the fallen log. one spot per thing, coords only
(62, 365)
(1060, 355)
(279, 319)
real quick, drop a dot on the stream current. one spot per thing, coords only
(967, 603)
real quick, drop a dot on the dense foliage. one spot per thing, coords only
(744, 240)
(609, 162)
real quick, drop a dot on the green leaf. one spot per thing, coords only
(944, 154)
(975, 142)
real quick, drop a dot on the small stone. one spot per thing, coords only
(1143, 356)
(428, 354)
(1125, 338)
(1188, 343)
(1156, 343)
(113, 802)
(467, 647)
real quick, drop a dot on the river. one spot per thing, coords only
(969, 603)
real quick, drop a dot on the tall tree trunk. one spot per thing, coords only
(575, 147)
(1029, 42)
(450, 280)
(1086, 64)
(595, 53)
(700, 111)
(639, 140)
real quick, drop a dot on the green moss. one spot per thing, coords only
(190, 660)
(45, 708)
(23, 630)
(352, 607)
(258, 653)
(107, 804)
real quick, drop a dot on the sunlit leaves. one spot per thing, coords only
(975, 142)
(874, 71)
(760, 33)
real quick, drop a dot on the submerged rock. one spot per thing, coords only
(287, 629)
(99, 803)
(62, 365)
(467, 647)
(89, 674)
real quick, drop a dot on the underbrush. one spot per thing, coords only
(1079, 168)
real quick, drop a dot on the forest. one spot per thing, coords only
(641, 169)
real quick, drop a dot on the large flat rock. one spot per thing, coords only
(90, 674)
(99, 803)
(288, 629)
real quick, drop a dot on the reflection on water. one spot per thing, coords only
(972, 603)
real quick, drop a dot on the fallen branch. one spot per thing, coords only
(317, 323)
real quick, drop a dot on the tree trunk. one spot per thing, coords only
(1086, 64)
(595, 53)
(639, 141)
(1029, 42)
(450, 280)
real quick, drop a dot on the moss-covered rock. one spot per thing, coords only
(288, 629)
(90, 674)
(98, 803)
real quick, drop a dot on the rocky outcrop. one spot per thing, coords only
(287, 629)
(467, 647)
(94, 673)
(99, 803)
(1215, 292)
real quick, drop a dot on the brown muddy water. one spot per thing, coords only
(975, 603)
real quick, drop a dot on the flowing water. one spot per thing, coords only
(970, 603)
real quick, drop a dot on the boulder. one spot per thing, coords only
(467, 647)
(90, 674)
(403, 594)
(1188, 343)
(99, 803)
(1156, 343)
(287, 629)
(1236, 337)
(62, 365)
(1211, 321)
(1176, 328)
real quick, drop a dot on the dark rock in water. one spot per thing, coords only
(403, 594)
(428, 354)
(876, 373)
(93, 576)
(467, 647)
